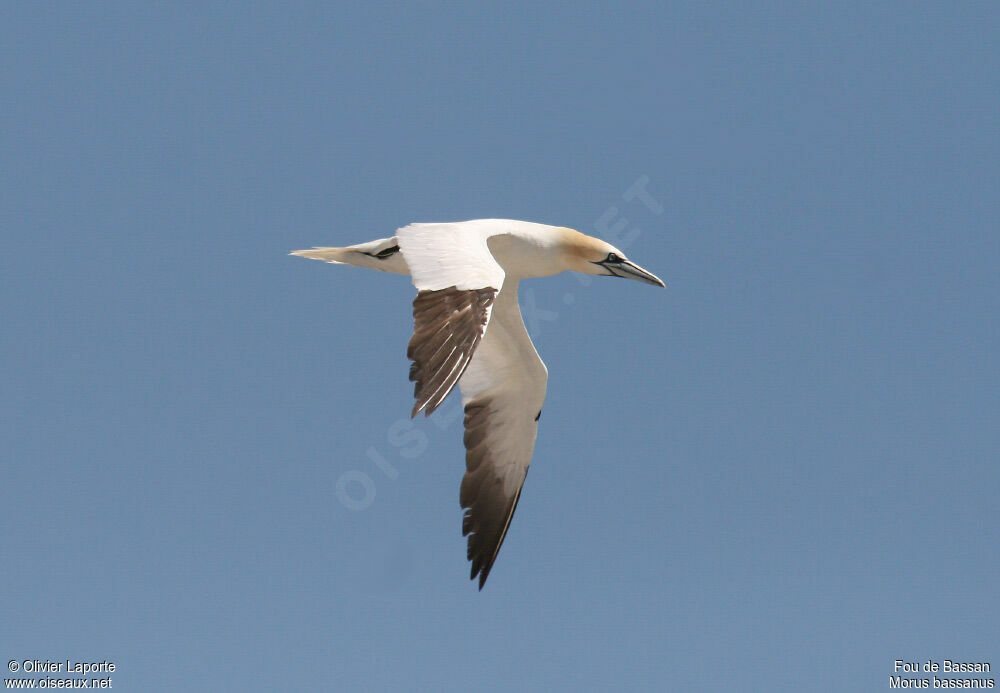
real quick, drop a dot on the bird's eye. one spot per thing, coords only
(613, 257)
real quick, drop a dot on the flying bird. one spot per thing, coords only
(467, 330)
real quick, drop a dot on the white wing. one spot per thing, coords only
(503, 390)
(502, 379)
(445, 255)
(458, 280)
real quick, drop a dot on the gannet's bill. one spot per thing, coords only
(467, 329)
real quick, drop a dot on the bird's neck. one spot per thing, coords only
(524, 256)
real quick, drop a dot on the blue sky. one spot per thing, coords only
(778, 474)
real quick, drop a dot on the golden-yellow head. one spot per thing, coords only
(589, 255)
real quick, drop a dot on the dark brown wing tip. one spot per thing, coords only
(488, 509)
(482, 567)
(485, 541)
(481, 564)
(482, 571)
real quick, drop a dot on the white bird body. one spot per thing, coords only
(468, 331)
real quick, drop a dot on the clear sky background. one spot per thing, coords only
(779, 474)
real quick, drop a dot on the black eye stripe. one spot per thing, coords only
(613, 257)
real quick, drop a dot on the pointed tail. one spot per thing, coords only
(334, 256)
(382, 255)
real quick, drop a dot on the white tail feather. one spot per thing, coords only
(332, 255)
(362, 255)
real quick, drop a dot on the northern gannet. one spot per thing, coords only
(467, 329)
